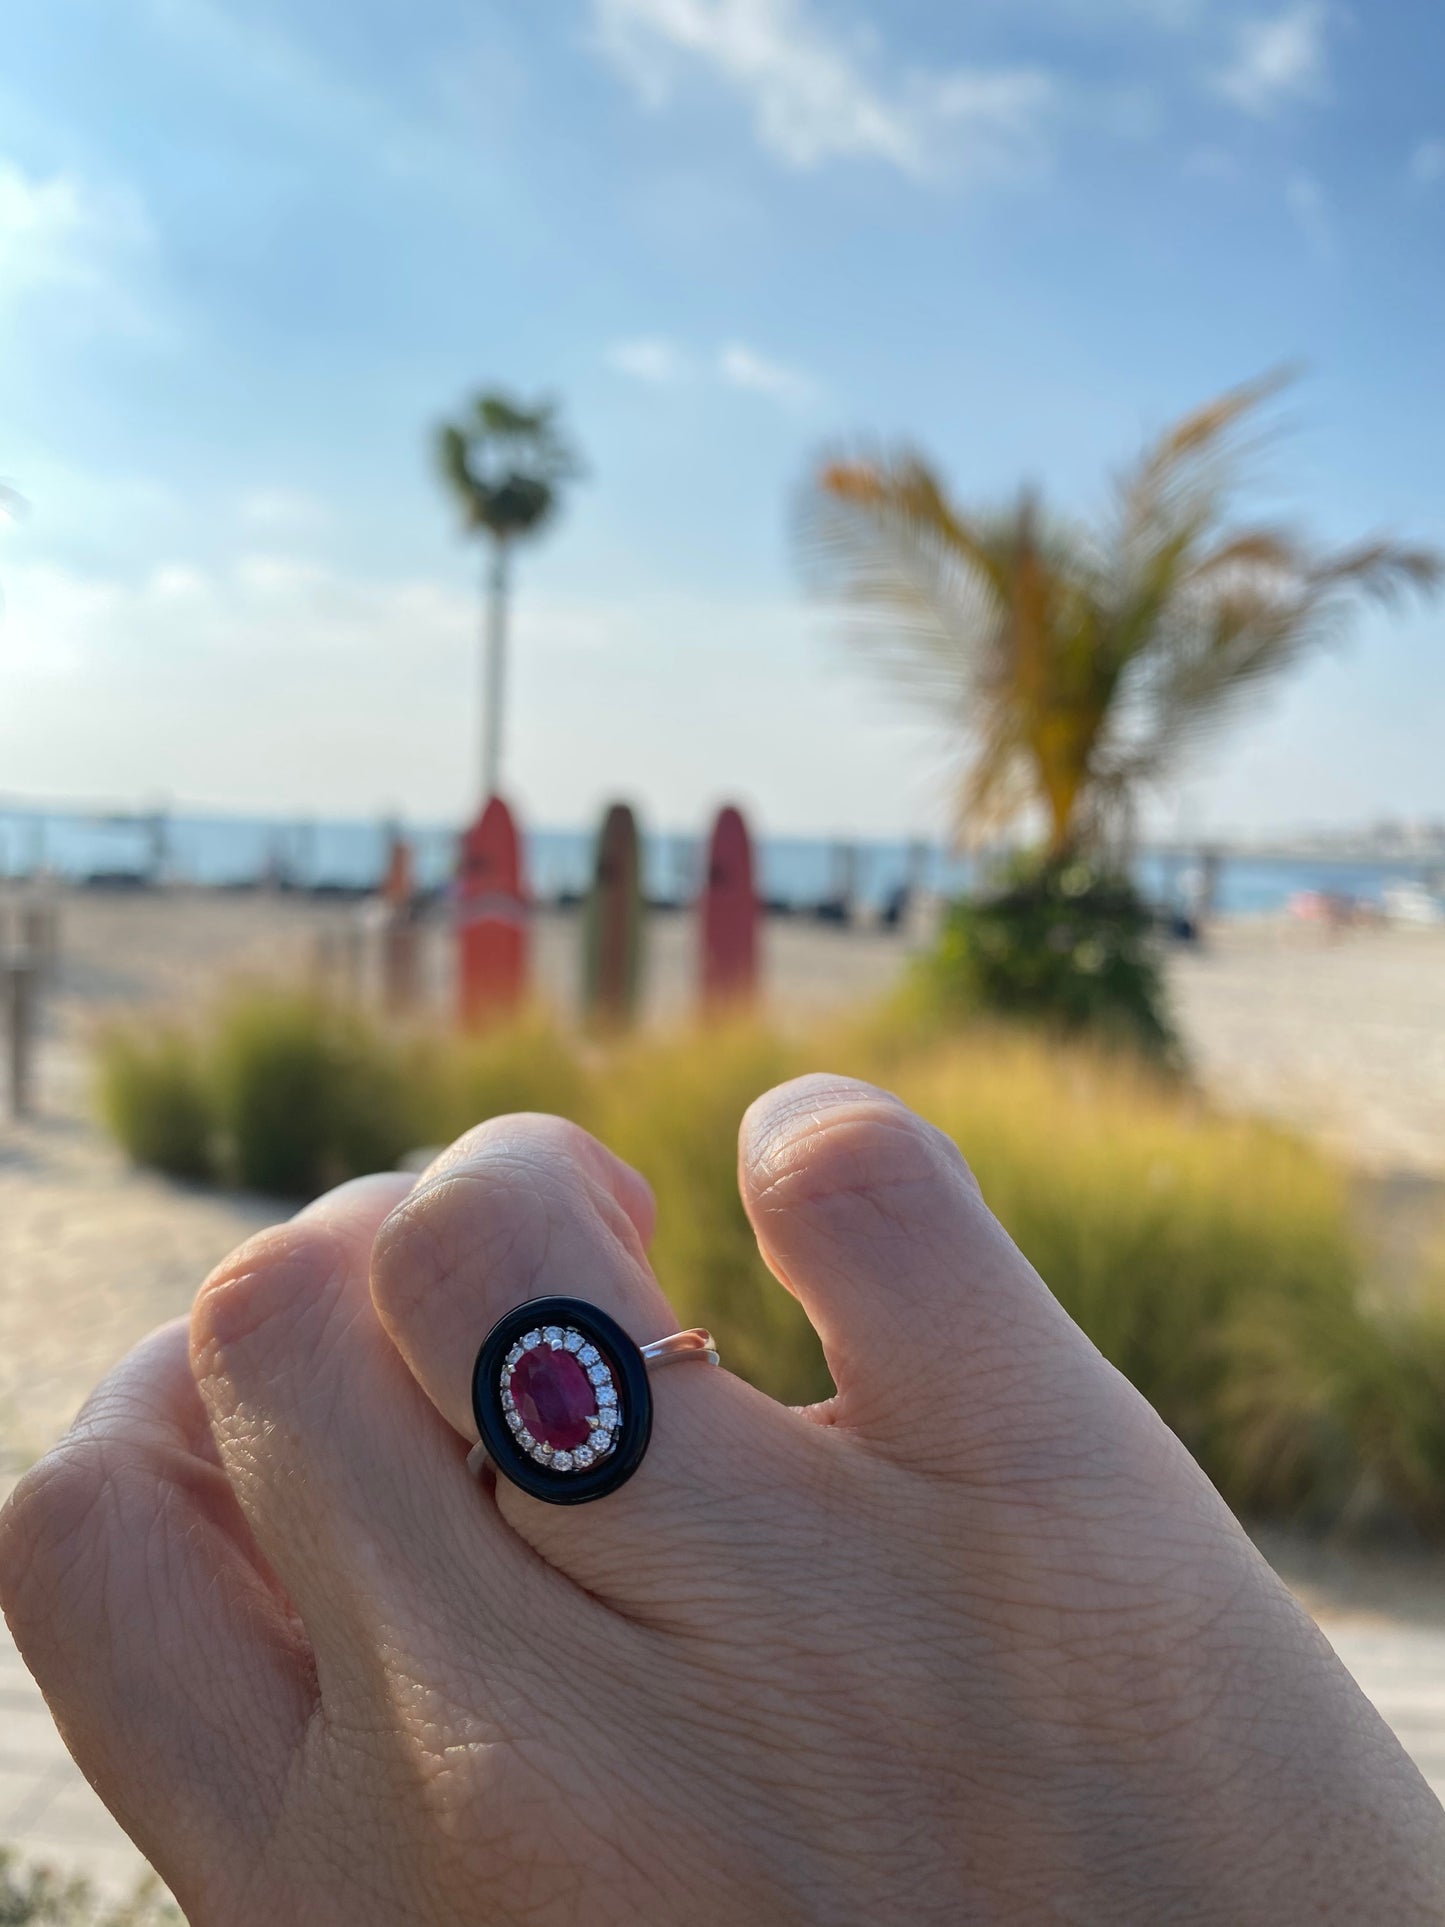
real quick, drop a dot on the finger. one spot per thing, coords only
(626, 1187)
(357, 1493)
(526, 1207)
(178, 1676)
(940, 1335)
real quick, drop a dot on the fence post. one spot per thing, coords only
(21, 974)
(40, 935)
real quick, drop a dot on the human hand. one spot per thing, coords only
(973, 1642)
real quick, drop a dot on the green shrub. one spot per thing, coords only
(308, 1093)
(156, 1101)
(39, 1897)
(1065, 944)
(284, 1093)
(530, 1065)
(1338, 1417)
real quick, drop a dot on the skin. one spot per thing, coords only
(974, 1642)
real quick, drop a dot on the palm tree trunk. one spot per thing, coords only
(494, 670)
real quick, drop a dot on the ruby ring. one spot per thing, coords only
(561, 1399)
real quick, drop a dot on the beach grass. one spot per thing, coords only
(1213, 1259)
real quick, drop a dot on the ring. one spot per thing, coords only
(561, 1398)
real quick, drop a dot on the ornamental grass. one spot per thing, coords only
(1213, 1259)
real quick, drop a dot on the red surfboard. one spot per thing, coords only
(729, 916)
(491, 918)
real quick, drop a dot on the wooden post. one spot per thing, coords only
(398, 959)
(40, 935)
(399, 930)
(21, 973)
(353, 959)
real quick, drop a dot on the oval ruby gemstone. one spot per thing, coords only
(555, 1398)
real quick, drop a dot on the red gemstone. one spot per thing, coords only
(555, 1397)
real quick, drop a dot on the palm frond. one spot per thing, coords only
(1075, 665)
(506, 463)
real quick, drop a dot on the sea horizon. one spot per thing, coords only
(216, 849)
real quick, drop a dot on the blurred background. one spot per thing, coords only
(592, 557)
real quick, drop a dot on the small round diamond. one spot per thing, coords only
(552, 1336)
(583, 1456)
(561, 1461)
(514, 1419)
(606, 1395)
(573, 1342)
(531, 1341)
(590, 1355)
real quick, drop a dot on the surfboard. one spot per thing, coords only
(729, 916)
(491, 918)
(613, 926)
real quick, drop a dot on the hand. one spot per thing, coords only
(973, 1642)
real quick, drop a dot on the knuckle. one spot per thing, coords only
(491, 1216)
(261, 1290)
(48, 1525)
(861, 1148)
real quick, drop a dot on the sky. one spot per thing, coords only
(250, 254)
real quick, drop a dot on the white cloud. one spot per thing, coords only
(176, 582)
(282, 511)
(650, 358)
(742, 367)
(72, 243)
(1306, 201)
(814, 96)
(1427, 163)
(1278, 60)
(663, 363)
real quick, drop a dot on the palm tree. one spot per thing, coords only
(505, 464)
(1080, 663)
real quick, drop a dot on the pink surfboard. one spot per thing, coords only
(729, 916)
(491, 918)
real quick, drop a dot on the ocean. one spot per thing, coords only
(234, 851)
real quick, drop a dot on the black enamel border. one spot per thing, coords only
(634, 1395)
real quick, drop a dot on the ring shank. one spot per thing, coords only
(695, 1343)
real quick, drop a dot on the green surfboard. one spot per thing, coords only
(613, 924)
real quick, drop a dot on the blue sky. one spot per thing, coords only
(248, 253)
